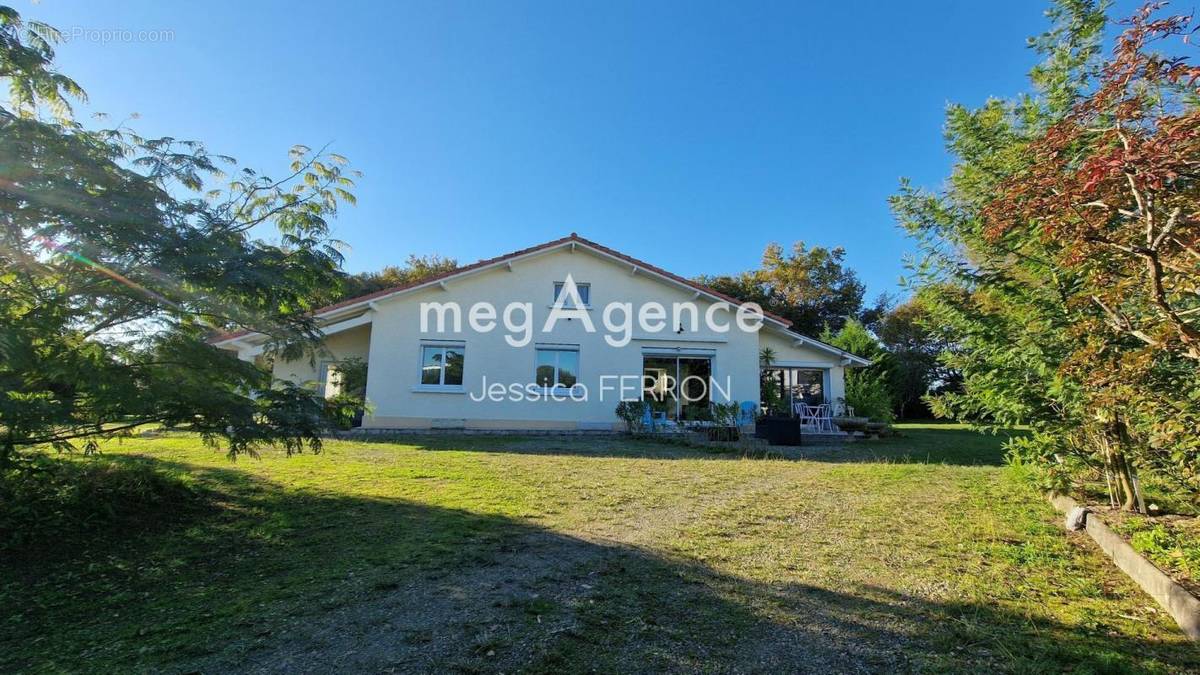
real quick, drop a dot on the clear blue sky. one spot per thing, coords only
(688, 134)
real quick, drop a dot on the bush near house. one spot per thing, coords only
(870, 391)
(633, 414)
(870, 396)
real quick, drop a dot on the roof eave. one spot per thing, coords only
(853, 359)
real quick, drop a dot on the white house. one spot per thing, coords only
(639, 331)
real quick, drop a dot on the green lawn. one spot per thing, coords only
(511, 554)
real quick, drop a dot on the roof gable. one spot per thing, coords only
(573, 240)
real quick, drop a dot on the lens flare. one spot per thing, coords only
(50, 244)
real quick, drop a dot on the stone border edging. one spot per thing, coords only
(1179, 603)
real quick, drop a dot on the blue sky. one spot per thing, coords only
(688, 134)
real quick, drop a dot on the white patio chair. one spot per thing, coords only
(841, 409)
(810, 415)
(800, 410)
(822, 419)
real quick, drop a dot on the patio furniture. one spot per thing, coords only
(822, 417)
(816, 416)
(800, 409)
(647, 418)
(746, 413)
(807, 414)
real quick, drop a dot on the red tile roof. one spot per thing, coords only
(516, 254)
(675, 277)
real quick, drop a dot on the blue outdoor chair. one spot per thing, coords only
(647, 418)
(746, 413)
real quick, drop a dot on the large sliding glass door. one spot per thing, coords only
(795, 385)
(695, 378)
(678, 387)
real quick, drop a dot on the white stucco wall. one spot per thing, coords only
(395, 348)
(392, 346)
(352, 343)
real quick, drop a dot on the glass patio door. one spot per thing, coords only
(794, 385)
(677, 387)
(808, 385)
(695, 378)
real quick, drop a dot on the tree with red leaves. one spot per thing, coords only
(1118, 182)
(1066, 256)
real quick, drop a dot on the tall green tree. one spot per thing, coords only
(1061, 258)
(120, 256)
(1115, 185)
(811, 287)
(914, 347)
(1004, 305)
(905, 361)
(870, 391)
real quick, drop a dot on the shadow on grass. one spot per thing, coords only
(923, 444)
(47, 500)
(606, 445)
(926, 443)
(279, 580)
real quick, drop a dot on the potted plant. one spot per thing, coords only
(724, 426)
(777, 426)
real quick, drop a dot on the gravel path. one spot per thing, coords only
(487, 617)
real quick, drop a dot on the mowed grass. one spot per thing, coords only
(487, 553)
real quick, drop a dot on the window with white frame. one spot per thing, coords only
(585, 292)
(442, 365)
(557, 366)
